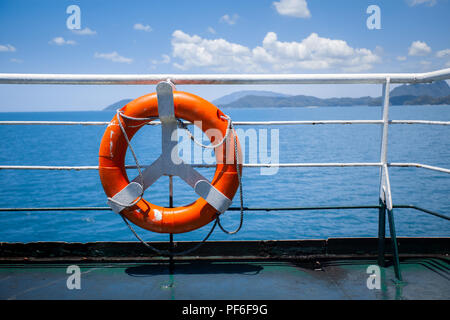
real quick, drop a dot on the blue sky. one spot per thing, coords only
(254, 36)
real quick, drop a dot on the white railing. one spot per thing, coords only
(237, 123)
(181, 79)
(210, 79)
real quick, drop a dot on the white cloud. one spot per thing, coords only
(60, 41)
(443, 53)
(293, 8)
(218, 54)
(165, 59)
(211, 30)
(141, 27)
(315, 52)
(425, 63)
(419, 48)
(229, 19)
(113, 56)
(430, 3)
(311, 53)
(379, 50)
(84, 32)
(401, 58)
(16, 60)
(7, 48)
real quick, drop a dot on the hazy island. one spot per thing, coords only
(436, 93)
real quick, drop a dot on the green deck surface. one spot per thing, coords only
(424, 278)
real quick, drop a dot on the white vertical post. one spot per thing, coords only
(385, 190)
(383, 159)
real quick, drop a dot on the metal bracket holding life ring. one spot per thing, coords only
(170, 164)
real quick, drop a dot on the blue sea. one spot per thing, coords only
(79, 145)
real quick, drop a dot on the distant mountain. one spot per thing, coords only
(421, 100)
(229, 98)
(117, 105)
(436, 89)
(409, 94)
(300, 101)
(309, 101)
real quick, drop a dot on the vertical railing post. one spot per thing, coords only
(171, 234)
(381, 232)
(383, 159)
(385, 192)
(171, 245)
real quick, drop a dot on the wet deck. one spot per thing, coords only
(344, 279)
(312, 276)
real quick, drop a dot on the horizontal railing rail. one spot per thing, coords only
(247, 165)
(257, 209)
(177, 79)
(237, 123)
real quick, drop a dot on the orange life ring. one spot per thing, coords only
(114, 178)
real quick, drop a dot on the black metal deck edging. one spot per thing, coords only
(225, 250)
